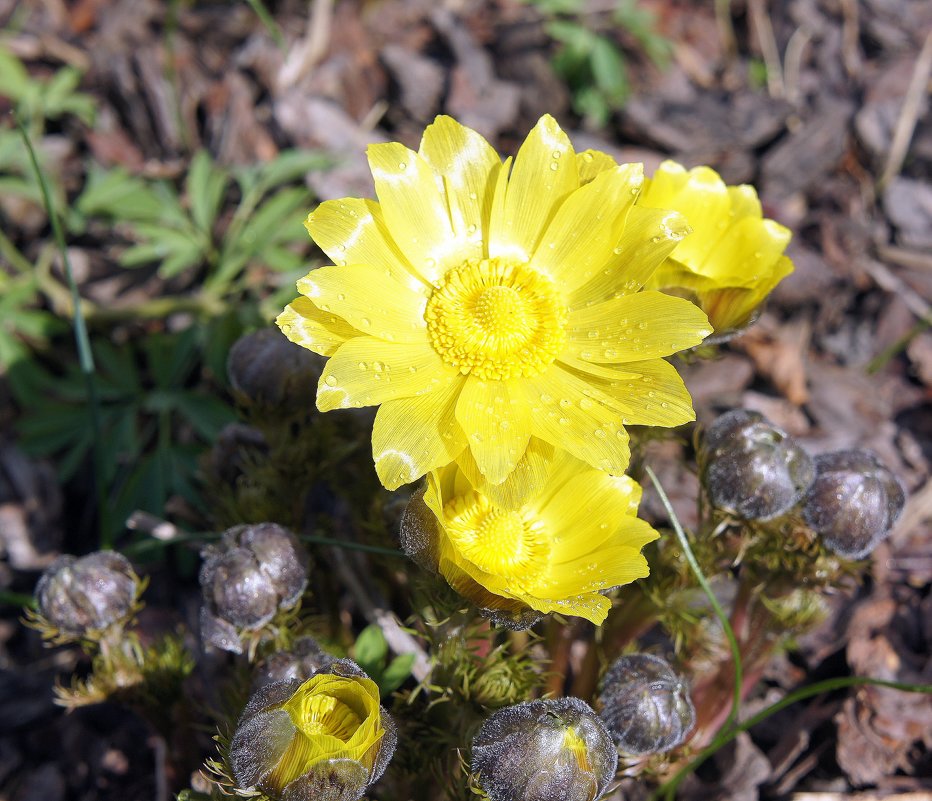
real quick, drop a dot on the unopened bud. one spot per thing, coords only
(323, 739)
(544, 750)
(751, 468)
(304, 659)
(253, 571)
(645, 705)
(268, 371)
(82, 596)
(853, 502)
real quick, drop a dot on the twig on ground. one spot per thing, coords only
(909, 114)
(850, 34)
(768, 47)
(792, 63)
(312, 48)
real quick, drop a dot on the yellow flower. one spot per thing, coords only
(555, 553)
(733, 259)
(479, 305)
(296, 738)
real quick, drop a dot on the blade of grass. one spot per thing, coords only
(267, 20)
(19, 599)
(85, 354)
(716, 607)
(668, 789)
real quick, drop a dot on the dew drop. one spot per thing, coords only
(341, 296)
(600, 433)
(556, 154)
(565, 403)
(642, 325)
(546, 398)
(593, 334)
(286, 328)
(402, 166)
(331, 380)
(366, 322)
(564, 421)
(363, 366)
(378, 366)
(585, 403)
(554, 166)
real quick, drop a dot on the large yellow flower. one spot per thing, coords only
(734, 258)
(556, 553)
(479, 305)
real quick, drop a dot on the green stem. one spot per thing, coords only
(85, 354)
(669, 788)
(348, 545)
(716, 607)
(20, 599)
(267, 20)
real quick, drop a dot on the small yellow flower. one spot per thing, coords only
(555, 553)
(734, 258)
(480, 305)
(296, 738)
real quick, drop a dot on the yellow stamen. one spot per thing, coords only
(496, 540)
(496, 320)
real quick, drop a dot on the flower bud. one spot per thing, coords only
(253, 571)
(751, 468)
(304, 659)
(80, 597)
(853, 502)
(268, 371)
(544, 750)
(645, 705)
(322, 739)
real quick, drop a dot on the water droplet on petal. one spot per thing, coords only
(331, 380)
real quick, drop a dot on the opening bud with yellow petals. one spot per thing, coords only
(558, 551)
(734, 257)
(322, 739)
(544, 750)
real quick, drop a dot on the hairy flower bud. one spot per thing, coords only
(304, 659)
(80, 597)
(645, 705)
(853, 502)
(544, 750)
(268, 371)
(322, 739)
(253, 571)
(752, 468)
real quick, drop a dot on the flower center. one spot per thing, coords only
(496, 540)
(496, 320)
(327, 715)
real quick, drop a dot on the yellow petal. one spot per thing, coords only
(366, 371)
(494, 417)
(591, 510)
(468, 167)
(632, 328)
(590, 163)
(544, 175)
(615, 565)
(581, 239)
(370, 300)
(353, 231)
(650, 235)
(731, 307)
(413, 436)
(414, 209)
(700, 195)
(744, 202)
(648, 393)
(591, 606)
(523, 482)
(747, 252)
(569, 414)
(322, 332)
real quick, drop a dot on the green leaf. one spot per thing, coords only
(371, 649)
(291, 165)
(115, 193)
(609, 71)
(205, 186)
(206, 414)
(396, 673)
(15, 82)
